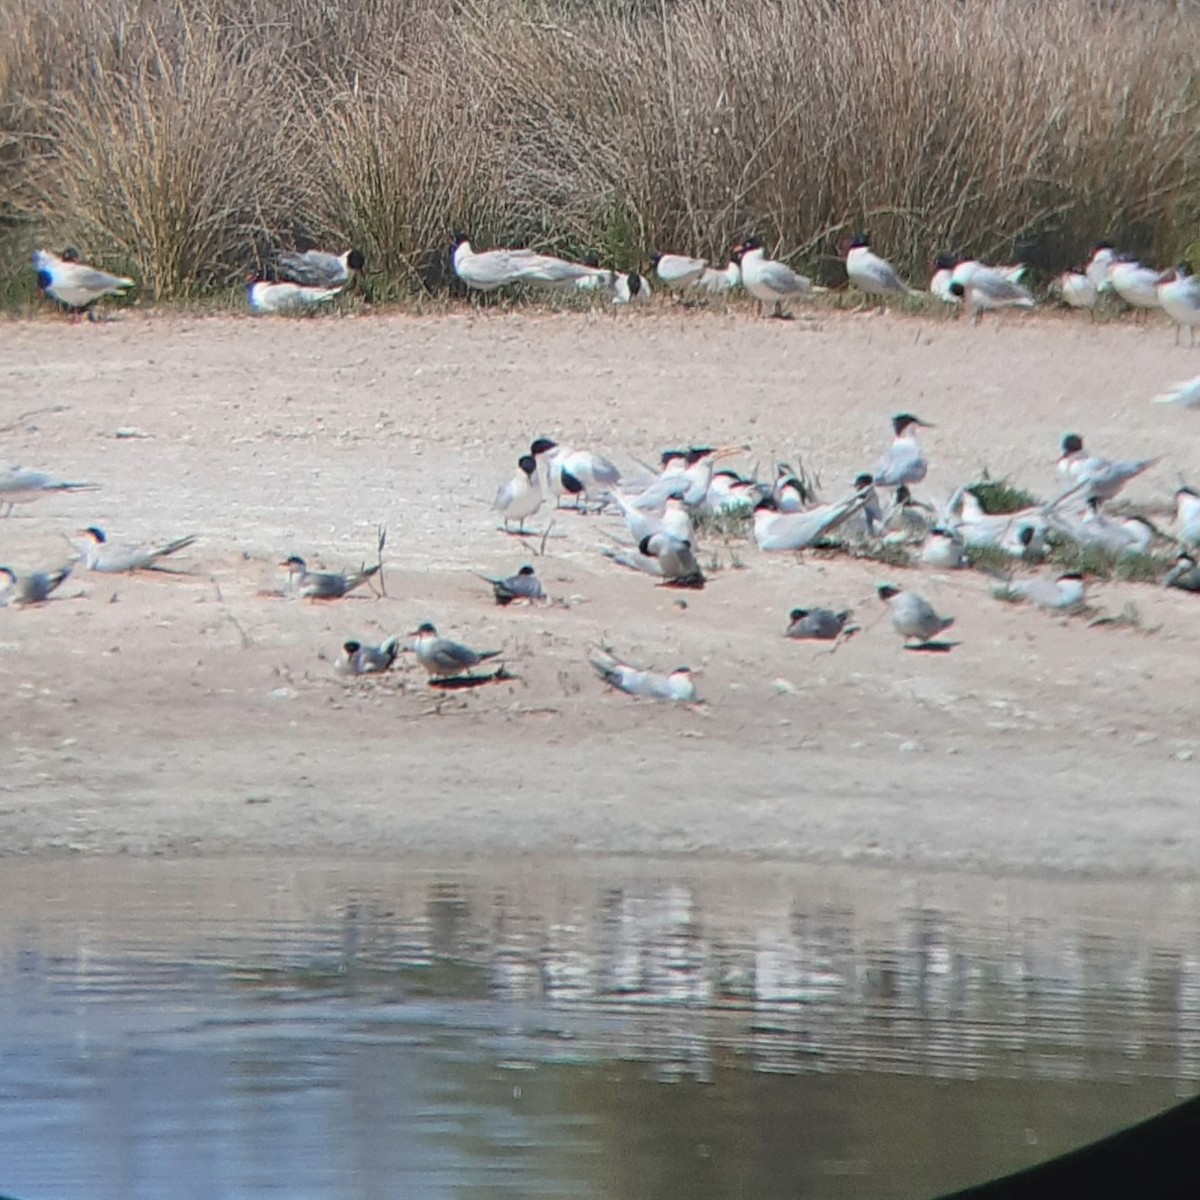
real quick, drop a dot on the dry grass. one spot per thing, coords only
(182, 139)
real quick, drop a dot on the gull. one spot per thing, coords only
(266, 296)
(1076, 289)
(631, 289)
(524, 585)
(33, 588)
(21, 485)
(1187, 515)
(943, 275)
(677, 686)
(74, 284)
(1065, 592)
(359, 659)
(1179, 296)
(99, 554)
(774, 530)
(982, 288)
(575, 472)
(944, 549)
(768, 281)
(820, 623)
(1099, 268)
(1186, 395)
(490, 269)
(1097, 478)
(323, 585)
(678, 270)
(913, 617)
(319, 268)
(443, 658)
(521, 496)
(1185, 574)
(903, 462)
(1136, 284)
(717, 280)
(870, 273)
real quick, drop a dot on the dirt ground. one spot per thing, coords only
(195, 713)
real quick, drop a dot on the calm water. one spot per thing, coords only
(614, 1030)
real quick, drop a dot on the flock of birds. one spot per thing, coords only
(665, 510)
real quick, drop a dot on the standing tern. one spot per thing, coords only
(1185, 574)
(72, 283)
(323, 585)
(678, 270)
(1076, 289)
(1179, 296)
(319, 268)
(768, 281)
(521, 496)
(33, 588)
(1095, 477)
(1066, 592)
(265, 296)
(677, 687)
(359, 659)
(870, 273)
(903, 462)
(21, 485)
(675, 558)
(99, 554)
(1100, 265)
(575, 472)
(913, 617)
(443, 658)
(524, 585)
(1136, 284)
(822, 624)
(1187, 515)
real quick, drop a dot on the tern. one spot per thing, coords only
(1063, 593)
(1186, 395)
(266, 296)
(521, 496)
(1136, 284)
(323, 585)
(1021, 534)
(907, 519)
(820, 623)
(33, 588)
(943, 275)
(575, 472)
(1187, 515)
(99, 554)
(677, 686)
(1130, 535)
(675, 558)
(674, 518)
(903, 462)
(870, 273)
(359, 659)
(319, 268)
(1076, 290)
(74, 284)
(678, 270)
(1185, 574)
(1097, 478)
(1099, 268)
(944, 549)
(913, 617)
(1179, 296)
(768, 281)
(443, 658)
(21, 485)
(774, 530)
(718, 280)
(524, 585)
(982, 288)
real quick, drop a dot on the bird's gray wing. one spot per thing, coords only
(781, 278)
(314, 268)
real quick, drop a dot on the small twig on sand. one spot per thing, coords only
(382, 531)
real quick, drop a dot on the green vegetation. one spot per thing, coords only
(180, 140)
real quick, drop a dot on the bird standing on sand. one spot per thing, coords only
(21, 485)
(1179, 296)
(870, 273)
(1095, 477)
(913, 617)
(521, 496)
(768, 281)
(678, 270)
(74, 284)
(903, 463)
(442, 658)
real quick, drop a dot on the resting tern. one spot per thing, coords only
(318, 268)
(820, 623)
(1095, 477)
(678, 270)
(1076, 289)
(99, 554)
(33, 588)
(677, 687)
(913, 617)
(674, 519)
(1187, 515)
(1179, 296)
(944, 549)
(359, 659)
(524, 585)
(1066, 592)
(774, 530)
(323, 585)
(907, 519)
(443, 658)
(768, 281)
(1021, 534)
(1186, 395)
(1185, 574)
(575, 472)
(1118, 536)
(870, 273)
(675, 558)
(1100, 266)
(687, 474)
(286, 297)
(521, 496)
(903, 462)
(74, 284)
(1136, 284)
(21, 485)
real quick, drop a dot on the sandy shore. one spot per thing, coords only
(195, 714)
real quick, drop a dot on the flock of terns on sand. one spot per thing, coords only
(666, 510)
